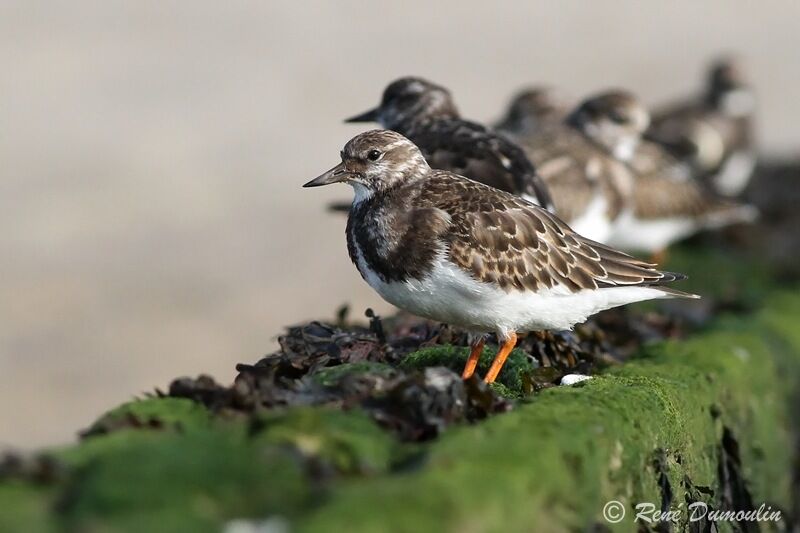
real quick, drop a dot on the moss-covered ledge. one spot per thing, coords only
(662, 429)
(710, 419)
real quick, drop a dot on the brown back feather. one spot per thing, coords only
(499, 238)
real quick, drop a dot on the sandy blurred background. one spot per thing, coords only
(151, 156)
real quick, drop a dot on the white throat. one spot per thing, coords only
(361, 191)
(625, 148)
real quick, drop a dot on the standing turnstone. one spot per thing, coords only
(667, 204)
(454, 250)
(425, 113)
(714, 131)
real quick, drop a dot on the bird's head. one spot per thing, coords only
(727, 88)
(615, 120)
(408, 99)
(375, 161)
(530, 107)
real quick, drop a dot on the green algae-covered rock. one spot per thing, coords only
(455, 358)
(710, 419)
(658, 429)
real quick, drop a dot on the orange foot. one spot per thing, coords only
(500, 358)
(472, 362)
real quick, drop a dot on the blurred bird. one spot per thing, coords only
(454, 250)
(666, 204)
(426, 114)
(532, 111)
(535, 120)
(713, 132)
(589, 186)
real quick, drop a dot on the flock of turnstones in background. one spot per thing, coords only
(527, 225)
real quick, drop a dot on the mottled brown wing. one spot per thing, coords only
(471, 150)
(499, 238)
(575, 172)
(651, 158)
(666, 188)
(572, 193)
(658, 197)
(463, 148)
(552, 142)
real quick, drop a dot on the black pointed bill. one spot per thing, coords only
(335, 175)
(368, 116)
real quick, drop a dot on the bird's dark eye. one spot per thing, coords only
(373, 155)
(619, 118)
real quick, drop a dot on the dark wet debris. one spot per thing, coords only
(351, 366)
(40, 469)
(420, 405)
(415, 406)
(127, 421)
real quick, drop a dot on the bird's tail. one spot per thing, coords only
(728, 213)
(669, 292)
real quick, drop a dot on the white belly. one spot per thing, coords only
(594, 223)
(450, 295)
(735, 173)
(637, 235)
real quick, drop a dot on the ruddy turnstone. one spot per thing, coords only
(450, 249)
(666, 203)
(426, 114)
(714, 132)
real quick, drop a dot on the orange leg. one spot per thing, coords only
(500, 358)
(472, 362)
